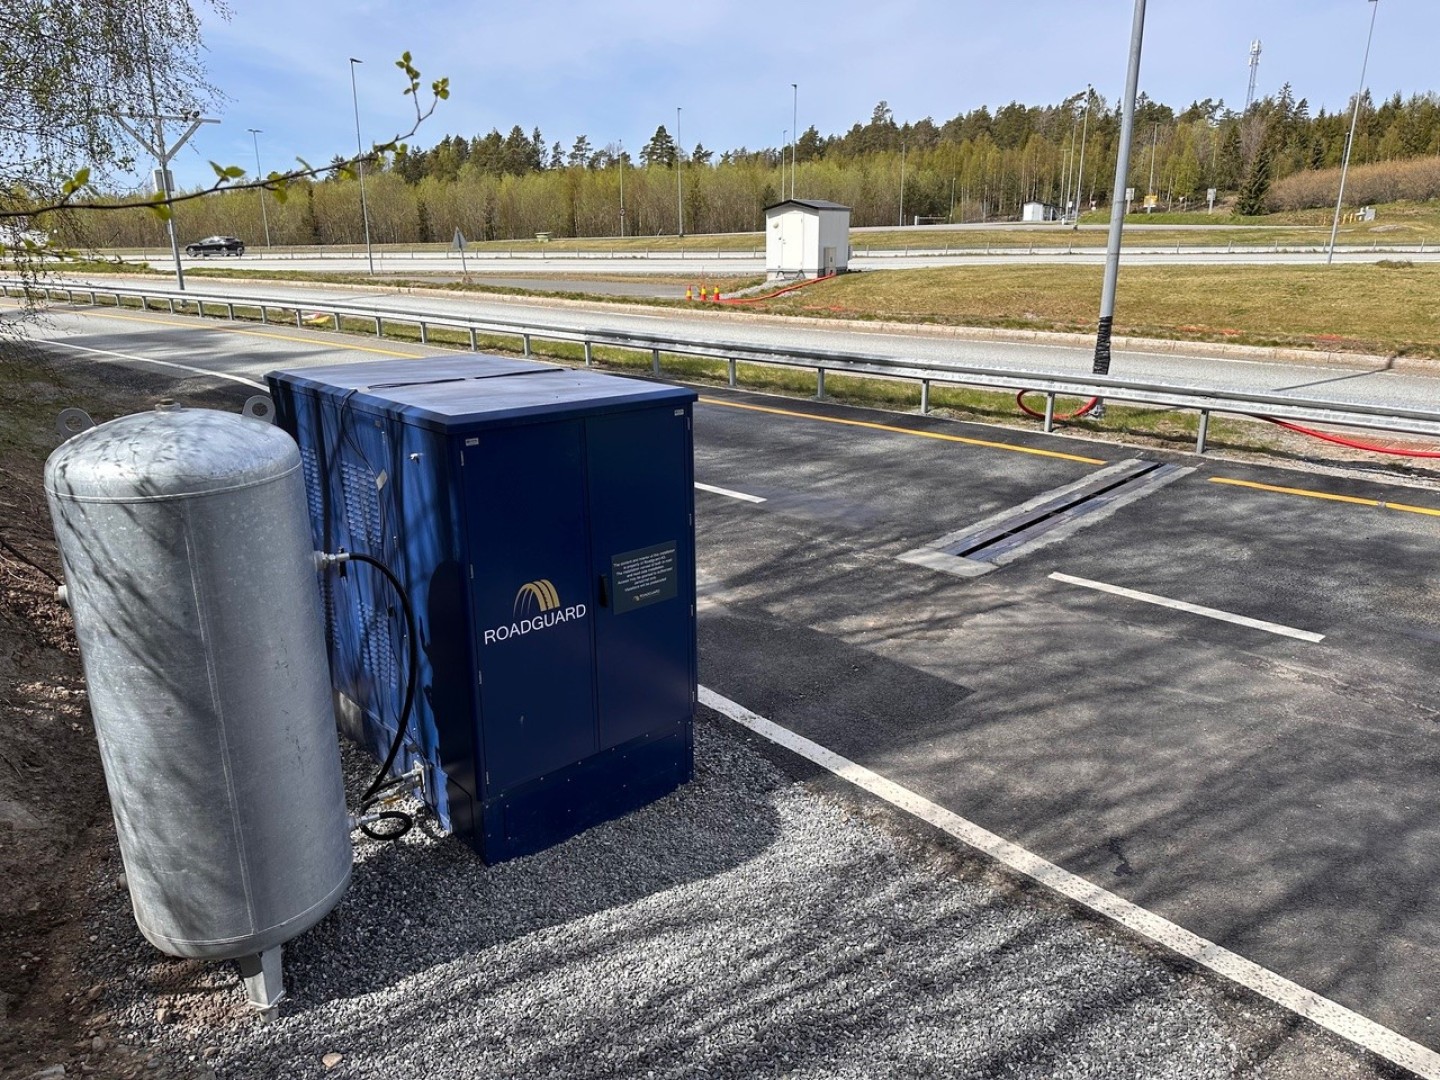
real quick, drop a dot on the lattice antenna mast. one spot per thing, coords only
(1254, 72)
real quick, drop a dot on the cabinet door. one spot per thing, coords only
(531, 590)
(643, 545)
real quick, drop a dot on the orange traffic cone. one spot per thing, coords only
(715, 296)
(689, 292)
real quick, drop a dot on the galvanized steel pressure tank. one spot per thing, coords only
(191, 576)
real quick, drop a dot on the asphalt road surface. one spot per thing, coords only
(714, 263)
(1378, 382)
(1214, 701)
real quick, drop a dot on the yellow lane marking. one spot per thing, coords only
(904, 431)
(1329, 497)
(250, 333)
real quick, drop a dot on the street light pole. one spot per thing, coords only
(902, 185)
(622, 189)
(1117, 202)
(360, 163)
(679, 179)
(162, 150)
(1080, 172)
(255, 134)
(1350, 141)
(794, 136)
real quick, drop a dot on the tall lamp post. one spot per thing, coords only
(621, 144)
(1080, 172)
(360, 164)
(1350, 140)
(255, 134)
(794, 136)
(902, 185)
(679, 179)
(1117, 203)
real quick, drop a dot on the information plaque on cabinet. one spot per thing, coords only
(642, 577)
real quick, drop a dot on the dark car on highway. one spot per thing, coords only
(216, 245)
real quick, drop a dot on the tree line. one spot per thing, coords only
(978, 166)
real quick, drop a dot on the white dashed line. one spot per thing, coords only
(1319, 1010)
(1193, 609)
(728, 493)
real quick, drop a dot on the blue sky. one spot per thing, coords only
(616, 70)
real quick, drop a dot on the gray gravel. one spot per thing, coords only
(750, 925)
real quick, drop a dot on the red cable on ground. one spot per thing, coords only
(777, 292)
(1354, 444)
(1084, 409)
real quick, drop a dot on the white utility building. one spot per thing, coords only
(1039, 211)
(806, 238)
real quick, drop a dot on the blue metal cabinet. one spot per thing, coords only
(543, 522)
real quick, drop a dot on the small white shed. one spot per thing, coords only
(1039, 211)
(806, 238)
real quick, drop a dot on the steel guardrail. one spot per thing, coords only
(1202, 400)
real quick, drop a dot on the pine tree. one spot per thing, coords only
(1256, 188)
(660, 150)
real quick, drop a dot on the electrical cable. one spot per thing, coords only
(1300, 429)
(1081, 411)
(28, 562)
(777, 292)
(1354, 444)
(376, 791)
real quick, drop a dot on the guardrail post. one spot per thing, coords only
(819, 384)
(655, 361)
(171, 301)
(230, 311)
(924, 396)
(264, 315)
(298, 321)
(589, 357)
(424, 333)
(733, 365)
(1203, 432)
(1049, 412)
(525, 339)
(379, 327)
(474, 343)
(94, 300)
(336, 316)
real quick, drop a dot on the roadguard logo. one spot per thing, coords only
(537, 607)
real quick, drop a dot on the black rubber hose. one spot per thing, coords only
(412, 679)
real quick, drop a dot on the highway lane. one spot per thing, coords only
(1359, 381)
(1270, 793)
(716, 263)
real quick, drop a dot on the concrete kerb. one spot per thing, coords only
(1207, 349)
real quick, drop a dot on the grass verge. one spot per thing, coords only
(1387, 309)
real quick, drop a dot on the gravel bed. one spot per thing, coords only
(746, 926)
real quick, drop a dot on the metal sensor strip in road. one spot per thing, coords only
(1049, 517)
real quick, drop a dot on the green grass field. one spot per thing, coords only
(1387, 308)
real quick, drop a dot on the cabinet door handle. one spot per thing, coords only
(604, 590)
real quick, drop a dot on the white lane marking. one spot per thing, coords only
(1193, 609)
(727, 492)
(162, 363)
(1327, 1014)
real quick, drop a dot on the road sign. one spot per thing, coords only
(459, 242)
